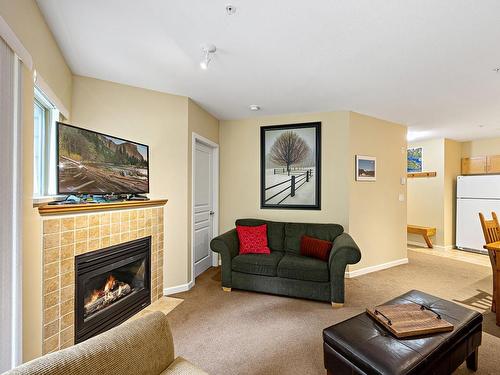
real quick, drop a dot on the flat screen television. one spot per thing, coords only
(94, 163)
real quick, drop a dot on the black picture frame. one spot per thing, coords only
(301, 175)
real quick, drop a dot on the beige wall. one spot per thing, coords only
(240, 170)
(24, 17)
(431, 201)
(371, 211)
(202, 123)
(425, 195)
(481, 147)
(160, 121)
(452, 169)
(377, 218)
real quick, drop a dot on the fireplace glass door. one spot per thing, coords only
(107, 288)
(111, 285)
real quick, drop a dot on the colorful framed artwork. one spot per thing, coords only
(415, 160)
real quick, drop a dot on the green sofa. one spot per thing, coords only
(285, 271)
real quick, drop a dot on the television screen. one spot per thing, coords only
(95, 163)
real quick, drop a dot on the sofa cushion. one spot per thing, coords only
(257, 264)
(275, 231)
(303, 268)
(295, 231)
(253, 240)
(315, 248)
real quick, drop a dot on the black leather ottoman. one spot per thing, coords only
(359, 345)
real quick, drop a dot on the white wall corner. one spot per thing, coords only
(178, 288)
(378, 267)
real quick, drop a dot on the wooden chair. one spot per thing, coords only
(491, 231)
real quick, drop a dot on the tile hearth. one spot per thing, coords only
(66, 236)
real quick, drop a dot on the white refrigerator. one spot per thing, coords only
(475, 194)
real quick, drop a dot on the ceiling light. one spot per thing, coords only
(496, 70)
(254, 107)
(208, 50)
(230, 9)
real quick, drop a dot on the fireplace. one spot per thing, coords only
(111, 285)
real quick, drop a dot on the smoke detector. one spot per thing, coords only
(230, 9)
(254, 107)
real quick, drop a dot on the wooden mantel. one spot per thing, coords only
(47, 209)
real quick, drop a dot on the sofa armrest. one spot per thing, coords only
(344, 252)
(227, 245)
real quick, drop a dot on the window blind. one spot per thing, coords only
(10, 208)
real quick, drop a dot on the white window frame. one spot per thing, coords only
(44, 172)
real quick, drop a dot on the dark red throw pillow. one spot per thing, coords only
(253, 240)
(316, 248)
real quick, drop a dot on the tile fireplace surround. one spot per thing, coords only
(68, 235)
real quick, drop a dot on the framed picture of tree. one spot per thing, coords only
(290, 166)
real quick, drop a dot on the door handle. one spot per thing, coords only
(212, 213)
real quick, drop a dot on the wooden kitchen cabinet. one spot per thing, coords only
(475, 165)
(493, 164)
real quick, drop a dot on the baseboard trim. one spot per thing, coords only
(378, 267)
(424, 245)
(178, 288)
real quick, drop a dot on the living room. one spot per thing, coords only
(202, 93)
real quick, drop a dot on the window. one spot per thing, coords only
(45, 116)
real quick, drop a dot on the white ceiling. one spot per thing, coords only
(425, 63)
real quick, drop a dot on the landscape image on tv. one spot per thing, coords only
(94, 163)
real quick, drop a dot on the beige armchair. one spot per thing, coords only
(141, 346)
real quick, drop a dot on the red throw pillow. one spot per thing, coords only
(253, 240)
(316, 248)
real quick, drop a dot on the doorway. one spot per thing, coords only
(205, 193)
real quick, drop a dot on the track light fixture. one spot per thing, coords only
(208, 50)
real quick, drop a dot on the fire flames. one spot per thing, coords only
(110, 284)
(111, 291)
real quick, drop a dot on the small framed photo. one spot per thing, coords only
(366, 168)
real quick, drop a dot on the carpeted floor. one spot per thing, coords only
(252, 333)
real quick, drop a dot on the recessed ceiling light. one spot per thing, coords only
(496, 70)
(254, 107)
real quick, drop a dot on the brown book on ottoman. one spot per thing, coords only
(360, 345)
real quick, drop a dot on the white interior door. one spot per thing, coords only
(203, 186)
